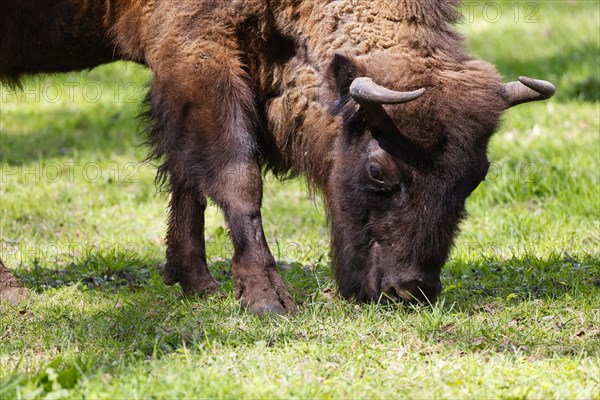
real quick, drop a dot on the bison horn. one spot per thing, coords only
(365, 91)
(527, 89)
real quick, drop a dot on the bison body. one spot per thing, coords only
(376, 103)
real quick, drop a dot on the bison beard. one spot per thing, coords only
(376, 103)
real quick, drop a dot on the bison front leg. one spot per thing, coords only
(11, 289)
(204, 132)
(238, 190)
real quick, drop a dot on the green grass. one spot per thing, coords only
(519, 317)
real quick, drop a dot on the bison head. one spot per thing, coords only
(404, 165)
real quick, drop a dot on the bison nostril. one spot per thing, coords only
(413, 291)
(391, 293)
(395, 293)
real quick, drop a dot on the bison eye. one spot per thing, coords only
(376, 173)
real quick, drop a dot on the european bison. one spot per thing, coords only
(376, 102)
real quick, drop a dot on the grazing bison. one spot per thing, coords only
(376, 102)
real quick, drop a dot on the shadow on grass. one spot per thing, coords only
(517, 279)
(521, 279)
(97, 270)
(118, 269)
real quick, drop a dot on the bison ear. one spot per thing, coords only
(342, 71)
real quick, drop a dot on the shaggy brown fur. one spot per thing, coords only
(245, 83)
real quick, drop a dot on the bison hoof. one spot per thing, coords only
(202, 289)
(270, 305)
(266, 296)
(11, 290)
(15, 294)
(264, 307)
(193, 281)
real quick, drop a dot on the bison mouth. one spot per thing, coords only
(415, 291)
(372, 278)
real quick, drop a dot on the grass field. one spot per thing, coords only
(83, 227)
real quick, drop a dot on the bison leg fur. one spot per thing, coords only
(11, 290)
(186, 255)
